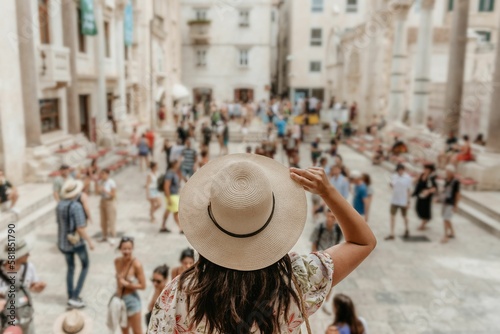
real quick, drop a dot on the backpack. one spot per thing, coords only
(160, 182)
(23, 304)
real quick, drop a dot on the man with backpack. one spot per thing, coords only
(18, 279)
(324, 235)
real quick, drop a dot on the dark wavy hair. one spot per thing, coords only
(232, 301)
(345, 313)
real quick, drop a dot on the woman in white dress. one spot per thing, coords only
(153, 194)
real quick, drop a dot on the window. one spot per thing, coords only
(316, 37)
(49, 115)
(43, 21)
(82, 41)
(450, 5)
(107, 42)
(201, 14)
(243, 61)
(244, 18)
(352, 6)
(273, 16)
(315, 66)
(317, 6)
(201, 58)
(486, 5)
(484, 36)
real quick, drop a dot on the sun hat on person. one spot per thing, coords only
(242, 211)
(73, 322)
(355, 174)
(71, 188)
(21, 248)
(450, 168)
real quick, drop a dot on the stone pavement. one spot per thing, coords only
(403, 288)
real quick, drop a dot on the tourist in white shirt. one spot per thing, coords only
(107, 190)
(402, 185)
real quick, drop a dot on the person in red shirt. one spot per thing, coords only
(150, 137)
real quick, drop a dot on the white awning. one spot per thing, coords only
(180, 92)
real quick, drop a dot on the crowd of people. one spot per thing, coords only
(197, 127)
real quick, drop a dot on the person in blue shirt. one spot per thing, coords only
(339, 181)
(359, 201)
(281, 126)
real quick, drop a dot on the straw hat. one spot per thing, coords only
(22, 247)
(242, 211)
(71, 188)
(73, 322)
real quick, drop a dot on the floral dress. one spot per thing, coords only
(314, 275)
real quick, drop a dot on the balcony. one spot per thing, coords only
(200, 31)
(53, 65)
(132, 72)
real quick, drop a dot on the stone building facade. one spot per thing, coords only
(81, 73)
(226, 49)
(410, 43)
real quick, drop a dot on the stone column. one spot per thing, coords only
(70, 37)
(27, 56)
(103, 126)
(400, 10)
(423, 65)
(456, 66)
(493, 137)
(12, 119)
(121, 111)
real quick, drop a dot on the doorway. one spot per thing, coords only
(243, 95)
(203, 96)
(84, 103)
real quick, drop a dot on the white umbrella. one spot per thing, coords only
(180, 92)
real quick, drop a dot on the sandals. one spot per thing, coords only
(164, 230)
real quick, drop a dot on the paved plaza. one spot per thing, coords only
(402, 288)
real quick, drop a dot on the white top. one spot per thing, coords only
(175, 153)
(154, 180)
(401, 186)
(30, 278)
(107, 185)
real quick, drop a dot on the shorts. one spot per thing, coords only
(447, 211)
(395, 208)
(187, 172)
(132, 303)
(154, 193)
(174, 207)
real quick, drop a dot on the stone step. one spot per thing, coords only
(28, 223)
(32, 196)
(471, 199)
(480, 218)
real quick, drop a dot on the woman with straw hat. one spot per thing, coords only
(243, 213)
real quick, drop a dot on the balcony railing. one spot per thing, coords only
(53, 65)
(200, 31)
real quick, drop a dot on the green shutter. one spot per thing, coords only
(450, 5)
(89, 26)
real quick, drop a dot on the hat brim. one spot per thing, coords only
(58, 324)
(246, 254)
(78, 189)
(4, 255)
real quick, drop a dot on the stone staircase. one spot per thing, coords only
(480, 209)
(36, 207)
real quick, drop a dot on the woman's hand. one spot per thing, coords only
(312, 179)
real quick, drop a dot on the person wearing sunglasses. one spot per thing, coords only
(159, 280)
(130, 278)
